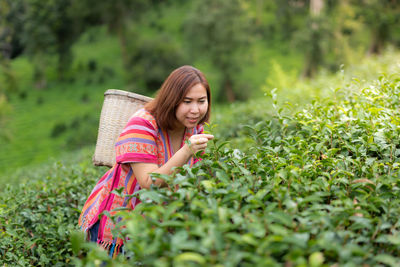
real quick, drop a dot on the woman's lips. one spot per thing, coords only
(192, 120)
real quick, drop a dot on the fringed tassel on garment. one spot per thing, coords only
(112, 249)
(104, 245)
(117, 250)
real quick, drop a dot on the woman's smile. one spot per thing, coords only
(193, 120)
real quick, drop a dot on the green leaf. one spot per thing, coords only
(316, 259)
(394, 239)
(208, 185)
(387, 259)
(77, 239)
(190, 256)
(150, 195)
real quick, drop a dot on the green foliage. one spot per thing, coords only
(299, 92)
(32, 114)
(11, 25)
(319, 187)
(381, 19)
(151, 61)
(315, 39)
(343, 29)
(51, 29)
(58, 129)
(221, 29)
(231, 121)
(4, 111)
(38, 217)
(82, 131)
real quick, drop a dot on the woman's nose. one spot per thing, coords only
(194, 108)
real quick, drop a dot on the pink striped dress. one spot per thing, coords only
(140, 141)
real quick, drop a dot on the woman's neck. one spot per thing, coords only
(177, 132)
(175, 138)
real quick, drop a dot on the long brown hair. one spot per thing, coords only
(172, 93)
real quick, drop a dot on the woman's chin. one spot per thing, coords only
(190, 125)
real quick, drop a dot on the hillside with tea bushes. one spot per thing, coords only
(293, 185)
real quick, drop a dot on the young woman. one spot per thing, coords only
(153, 141)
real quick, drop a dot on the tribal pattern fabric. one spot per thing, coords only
(140, 141)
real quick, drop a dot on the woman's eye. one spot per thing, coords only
(186, 102)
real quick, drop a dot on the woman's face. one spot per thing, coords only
(193, 107)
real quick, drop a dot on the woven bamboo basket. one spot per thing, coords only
(117, 108)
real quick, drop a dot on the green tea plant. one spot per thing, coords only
(318, 188)
(37, 217)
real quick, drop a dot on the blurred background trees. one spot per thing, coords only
(325, 32)
(221, 31)
(381, 18)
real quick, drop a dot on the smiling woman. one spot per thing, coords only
(153, 141)
(193, 108)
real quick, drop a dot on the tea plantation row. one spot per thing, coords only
(37, 218)
(317, 188)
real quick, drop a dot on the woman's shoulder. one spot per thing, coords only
(143, 116)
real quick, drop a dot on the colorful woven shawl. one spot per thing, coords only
(140, 141)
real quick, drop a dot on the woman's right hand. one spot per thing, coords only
(198, 142)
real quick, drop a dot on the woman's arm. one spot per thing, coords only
(142, 170)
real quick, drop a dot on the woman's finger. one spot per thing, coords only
(200, 140)
(208, 136)
(201, 145)
(198, 147)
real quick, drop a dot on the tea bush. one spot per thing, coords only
(318, 188)
(232, 119)
(36, 218)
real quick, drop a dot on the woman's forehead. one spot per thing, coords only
(197, 91)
